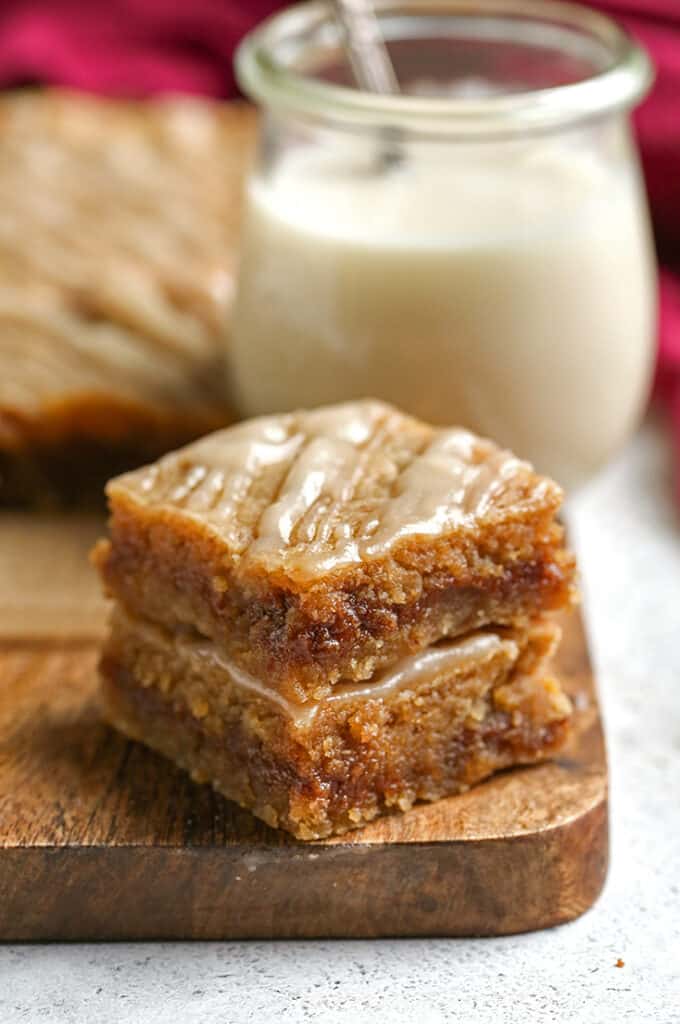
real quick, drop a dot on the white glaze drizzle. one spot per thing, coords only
(313, 492)
(427, 665)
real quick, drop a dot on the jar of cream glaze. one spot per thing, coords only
(475, 250)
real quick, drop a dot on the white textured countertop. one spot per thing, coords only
(628, 539)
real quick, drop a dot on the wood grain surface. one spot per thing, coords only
(102, 839)
(47, 588)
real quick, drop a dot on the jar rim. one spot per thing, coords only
(269, 80)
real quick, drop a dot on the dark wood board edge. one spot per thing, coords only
(459, 888)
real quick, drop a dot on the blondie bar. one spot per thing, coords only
(118, 249)
(318, 547)
(332, 614)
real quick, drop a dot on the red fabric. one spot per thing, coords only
(125, 47)
(656, 23)
(139, 47)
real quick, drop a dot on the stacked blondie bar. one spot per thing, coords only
(331, 615)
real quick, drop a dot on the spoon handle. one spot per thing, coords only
(368, 56)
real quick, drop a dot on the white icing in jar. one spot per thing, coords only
(498, 274)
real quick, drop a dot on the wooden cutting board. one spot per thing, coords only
(102, 839)
(47, 590)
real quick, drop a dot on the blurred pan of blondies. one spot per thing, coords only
(118, 229)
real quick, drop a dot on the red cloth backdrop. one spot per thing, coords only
(138, 47)
(656, 23)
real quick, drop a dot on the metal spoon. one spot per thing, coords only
(371, 64)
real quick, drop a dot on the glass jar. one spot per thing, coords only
(475, 250)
